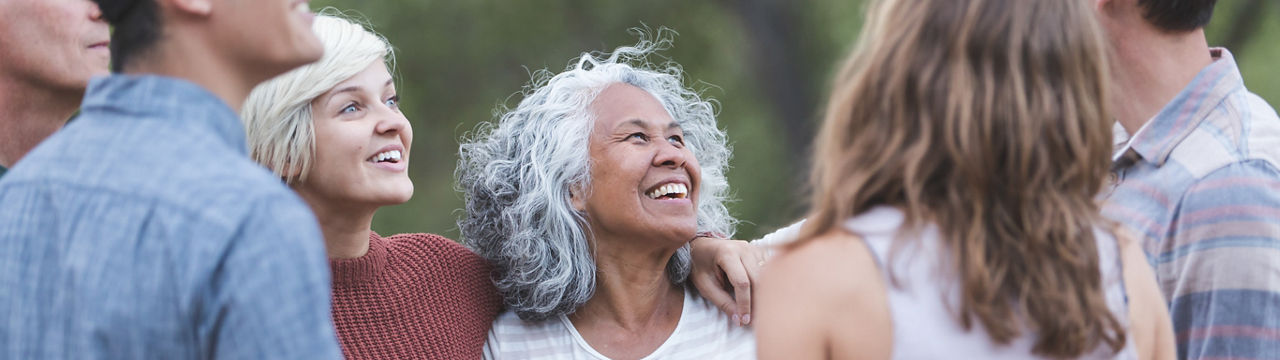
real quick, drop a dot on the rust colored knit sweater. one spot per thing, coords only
(413, 296)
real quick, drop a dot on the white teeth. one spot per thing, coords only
(677, 191)
(385, 155)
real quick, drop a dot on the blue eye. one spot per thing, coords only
(349, 109)
(393, 102)
(638, 136)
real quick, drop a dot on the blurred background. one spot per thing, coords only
(765, 61)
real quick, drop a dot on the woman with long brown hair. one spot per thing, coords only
(954, 211)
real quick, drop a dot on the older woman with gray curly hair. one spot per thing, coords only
(584, 198)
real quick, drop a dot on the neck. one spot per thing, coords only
(196, 62)
(31, 114)
(632, 289)
(1151, 68)
(346, 228)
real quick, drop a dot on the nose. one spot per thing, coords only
(670, 155)
(391, 122)
(95, 12)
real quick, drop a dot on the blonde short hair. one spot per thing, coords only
(277, 114)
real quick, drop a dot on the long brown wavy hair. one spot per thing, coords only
(986, 118)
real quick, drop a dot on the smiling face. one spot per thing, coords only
(644, 180)
(361, 144)
(59, 43)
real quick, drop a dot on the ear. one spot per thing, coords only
(294, 172)
(200, 8)
(578, 198)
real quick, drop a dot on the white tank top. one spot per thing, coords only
(924, 324)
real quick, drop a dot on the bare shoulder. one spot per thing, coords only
(1150, 326)
(836, 264)
(824, 297)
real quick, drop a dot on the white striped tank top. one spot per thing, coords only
(702, 333)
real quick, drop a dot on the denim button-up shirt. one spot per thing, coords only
(143, 231)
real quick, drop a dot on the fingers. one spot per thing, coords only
(711, 289)
(740, 279)
(753, 265)
(754, 262)
(720, 264)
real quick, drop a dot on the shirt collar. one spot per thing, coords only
(1158, 137)
(153, 97)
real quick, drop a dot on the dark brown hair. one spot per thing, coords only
(986, 118)
(1178, 15)
(136, 28)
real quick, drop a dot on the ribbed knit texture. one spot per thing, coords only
(413, 296)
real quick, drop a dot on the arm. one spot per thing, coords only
(781, 236)
(824, 299)
(1149, 324)
(1220, 265)
(722, 266)
(270, 297)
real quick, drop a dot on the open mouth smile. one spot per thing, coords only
(390, 156)
(673, 190)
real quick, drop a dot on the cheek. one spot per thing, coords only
(407, 134)
(612, 176)
(335, 145)
(693, 167)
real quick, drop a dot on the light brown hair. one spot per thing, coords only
(987, 119)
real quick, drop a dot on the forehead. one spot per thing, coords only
(619, 104)
(375, 74)
(374, 78)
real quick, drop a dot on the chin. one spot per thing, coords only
(399, 197)
(682, 235)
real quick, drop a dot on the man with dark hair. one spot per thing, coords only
(142, 230)
(51, 49)
(1197, 177)
(1176, 16)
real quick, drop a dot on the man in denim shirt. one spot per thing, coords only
(142, 230)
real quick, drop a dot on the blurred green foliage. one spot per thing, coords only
(458, 60)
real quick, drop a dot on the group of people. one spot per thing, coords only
(992, 179)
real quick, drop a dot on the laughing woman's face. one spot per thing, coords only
(644, 180)
(362, 143)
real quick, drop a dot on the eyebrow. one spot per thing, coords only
(642, 124)
(351, 89)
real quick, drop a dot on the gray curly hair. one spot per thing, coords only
(517, 172)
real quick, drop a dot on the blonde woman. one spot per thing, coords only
(334, 132)
(954, 213)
